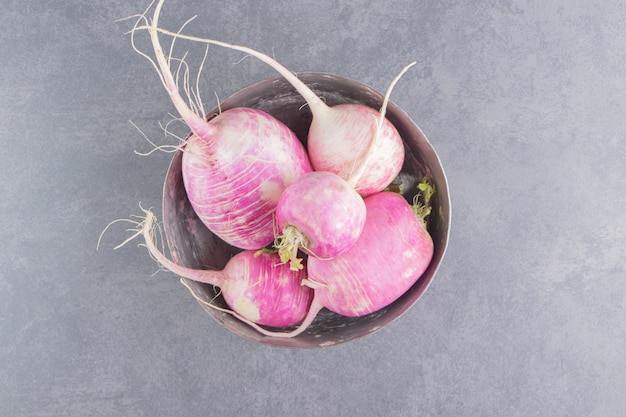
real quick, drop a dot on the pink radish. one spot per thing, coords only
(351, 140)
(236, 165)
(392, 252)
(255, 284)
(320, 214)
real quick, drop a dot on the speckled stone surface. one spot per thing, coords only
(523, 101)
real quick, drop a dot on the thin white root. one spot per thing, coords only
(196, 94)
(193, 99)
(155, 147)
(192, 105)
(166, 128)
(141, 224)
(383, 109)
(360, 165)
(142, 21)
(314, 309)
(111, 224)
(213, 306)
(314, 101)
(219, 103)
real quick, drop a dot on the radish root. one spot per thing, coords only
(356, 175)
(155, 147)
(190, 108)
(303, 89)
(143, 225)
(311, 314)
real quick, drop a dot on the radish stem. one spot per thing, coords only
(146, 228)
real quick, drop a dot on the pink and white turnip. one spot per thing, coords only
(320, 214)
(234, 166)
(255, 284)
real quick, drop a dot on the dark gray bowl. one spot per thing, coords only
(191, 244)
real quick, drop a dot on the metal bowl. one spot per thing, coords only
(191, 244)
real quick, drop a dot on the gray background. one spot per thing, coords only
(524, 101)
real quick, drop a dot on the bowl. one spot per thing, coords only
(191, 244)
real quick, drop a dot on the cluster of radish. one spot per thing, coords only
(317, 227)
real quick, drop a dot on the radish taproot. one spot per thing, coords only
(354, 141)
(255, 284)
(391, 254)
(234, 166)
(321, 214)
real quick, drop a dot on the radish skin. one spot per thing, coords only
(351, 140)
(320, 214)
(392, 252)
(236, 165)
(256, 286)
(234, 185)
(372, 171)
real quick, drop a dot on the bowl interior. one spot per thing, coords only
(191, 244)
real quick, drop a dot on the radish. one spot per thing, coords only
(255, 284)
(392, 252)
(236, 165)
(353, 141)
(320, 214)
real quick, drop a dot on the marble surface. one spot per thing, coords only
(524, 102)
